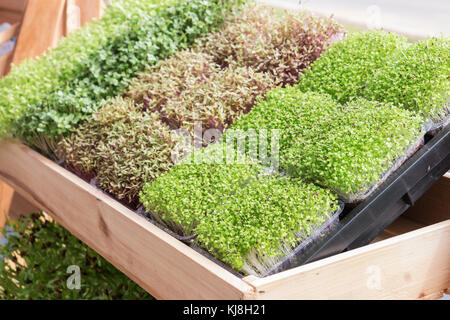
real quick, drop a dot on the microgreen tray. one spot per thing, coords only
(359, 225)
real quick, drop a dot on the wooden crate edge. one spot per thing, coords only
(158, 262)
(401, 263)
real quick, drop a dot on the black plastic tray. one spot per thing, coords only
(359, 225)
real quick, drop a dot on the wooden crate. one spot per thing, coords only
(11, 11)
(40, 24)
(410, 260)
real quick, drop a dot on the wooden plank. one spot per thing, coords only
(42, 27)
(12, 205)
(415, 265)
(20, 207)
(13, 5)
(382, 236)
(72, 17)
(161, 264)
(5, 61)
(80, 12)
(90, 10)
(10, 33)
(6, 195)
(10, 17)
(434, 205)
(403, 225)
(400, 226)
(60, 27)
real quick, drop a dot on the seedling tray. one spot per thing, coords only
(360, 225)
(290, 260)
(169, 269)
(285, 263)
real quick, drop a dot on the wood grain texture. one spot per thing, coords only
(403, 225)
(20, 207)
(6, 196)
(162, 265)
(65, 21)
(80, 12)
(10, 17)
(13, 5)
(434, 205)
(398, 227)
(5, 61)
(72, 17)
(382, 236)
(415, 265)
(42, 27)
(90, 10)
(12, 205)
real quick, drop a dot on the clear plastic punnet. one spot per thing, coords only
(263, 266)
(355, 198)
(255, 264)
(434, 125)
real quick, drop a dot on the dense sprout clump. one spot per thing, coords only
(416, 78)
(343, 70)
(190, 87)
(33, 80)
(282, 45)
(346, 148)
(235, 212)
(121, 148)
(148, 34)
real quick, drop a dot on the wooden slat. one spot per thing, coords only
(20, 207)
(434, 205)
(10, 17)
(6, 195)
(41, 28)
(432, 208)
(403, 225)
(410, 266)
(159, 263)
(80, 12)
(13, 204)
(399, 226)
(5, 61)
(90, 9)
(72, 17)
(13, 5)
(382, 236)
